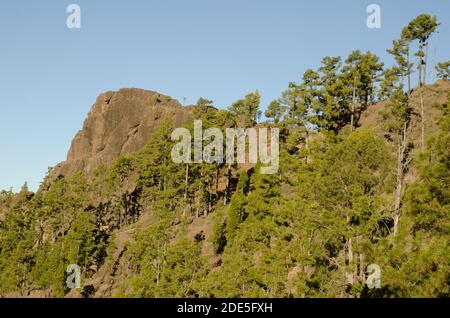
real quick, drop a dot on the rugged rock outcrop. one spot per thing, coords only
(118, 123)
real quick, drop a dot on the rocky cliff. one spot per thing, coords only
(118, 123)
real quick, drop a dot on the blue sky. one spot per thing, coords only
(50, 75)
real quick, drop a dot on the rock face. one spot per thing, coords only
(118, 123)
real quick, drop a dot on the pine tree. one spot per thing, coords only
(276, 111)
(360, 73)
(247, 109)
(421, 28)
(400, 52)
(443, 70)
(397, 122)
(236, 209)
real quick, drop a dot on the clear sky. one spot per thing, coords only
(219, 49)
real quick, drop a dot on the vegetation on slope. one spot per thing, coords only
(346, 195)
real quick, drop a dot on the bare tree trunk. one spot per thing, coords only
(426, 63)
(197, 206)
(217, 178)
(350, 275)
(209, 209)
(361, 268)
(421, 83)
(422, 116)
(352, 116)
(398, 193)
(186, 180)
(350, 251)
(420, 64)
(409, 75)
(227, 191)
(402, 162)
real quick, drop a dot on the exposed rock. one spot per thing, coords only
(118, 123)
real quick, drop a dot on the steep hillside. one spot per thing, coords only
(357, 203)
(432, 95)
(113, 278)
(140, 225)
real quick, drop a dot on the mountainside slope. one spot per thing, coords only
(140, 225)
(110, 279)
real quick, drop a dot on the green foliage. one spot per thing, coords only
(428, 199)
(120, 169)
(236, 212)
(163, 269)
(17, 240)
(276, 111)
(218, 239)
(203, 108)
(443, 70)
(247, 109)
(420, 28)
(333, 96)
(400, 52)
(161, 229)
(398, 113)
